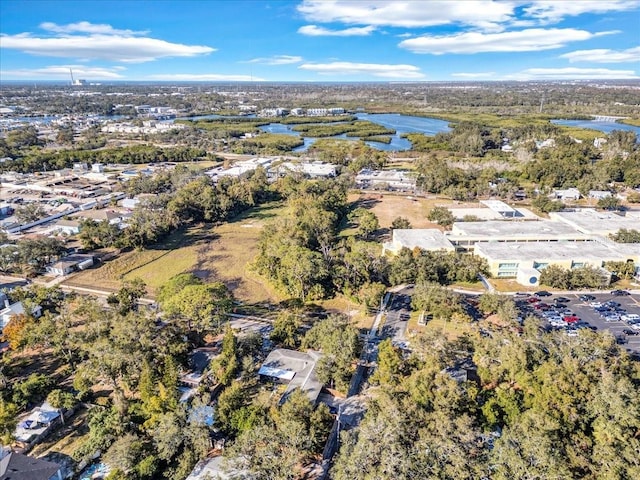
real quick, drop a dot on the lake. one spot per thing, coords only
(605, 127)
(400, 123)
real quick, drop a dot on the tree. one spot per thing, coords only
(286, 330)
(8, 421)
(202, 307)
(16, 331)
(126, 299)
(546, 205)
(626, 270)
(400, 223)
(442, 216)
(124, 453)
(340, 345)
(65, 135)
(370, 295)
(366, 221)
(225, 366)
(609, 203)
(390, 365)
(626, 236)
(556, 277)
(30, 213)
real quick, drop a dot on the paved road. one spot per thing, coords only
(397, 316)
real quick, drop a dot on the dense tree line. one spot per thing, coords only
(573, 279)
(535, 405)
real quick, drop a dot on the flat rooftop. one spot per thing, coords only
(594, 221)
(530, 229)
(592, 251)
(425, 238)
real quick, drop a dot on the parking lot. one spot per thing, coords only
(588, 316)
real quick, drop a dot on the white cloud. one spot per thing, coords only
(315, 31)
(412, 13)
(571, 73)
(602, 55)
(552, 11)
(98, 42)
(532, 39)
(370, 69)
(86, 27)
(277, 60)
(474, 74)
(62, 72)
(204, 77)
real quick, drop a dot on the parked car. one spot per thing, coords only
(628, 331)
(620, 293)
(533, 299)
(630, 317)
(587, 298)
(635, 326)
(571, 319)
(542, 293)
(595, 304)
(561, 300)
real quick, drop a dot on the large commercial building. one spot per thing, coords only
(596, 222)
(522, 249)
(525, 261)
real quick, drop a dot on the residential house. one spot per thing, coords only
(297, 369)
(16, 466)
(13, 309)
(567, 194)
(70, 264)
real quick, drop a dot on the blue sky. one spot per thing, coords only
(319, 40)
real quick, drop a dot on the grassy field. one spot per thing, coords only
(154, 265)
(439, 326)
(219, 253)
(227, 257)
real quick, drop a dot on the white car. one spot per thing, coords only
(595, 304)
(630, 317)
(635, 326)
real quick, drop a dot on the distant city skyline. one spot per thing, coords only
(319, 40)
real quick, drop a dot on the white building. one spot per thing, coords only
(567, 194)
(386, 179)
(426, 239)
(310, 169)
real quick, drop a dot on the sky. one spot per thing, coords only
(319, 40)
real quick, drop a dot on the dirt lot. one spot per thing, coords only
(389, 206)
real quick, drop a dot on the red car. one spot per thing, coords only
(533, 299)
(571, 319)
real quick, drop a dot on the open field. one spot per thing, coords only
(439, 326)
(178, 253)
(356, 313)
(226, 258)
(220, 253)
(387, 207)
